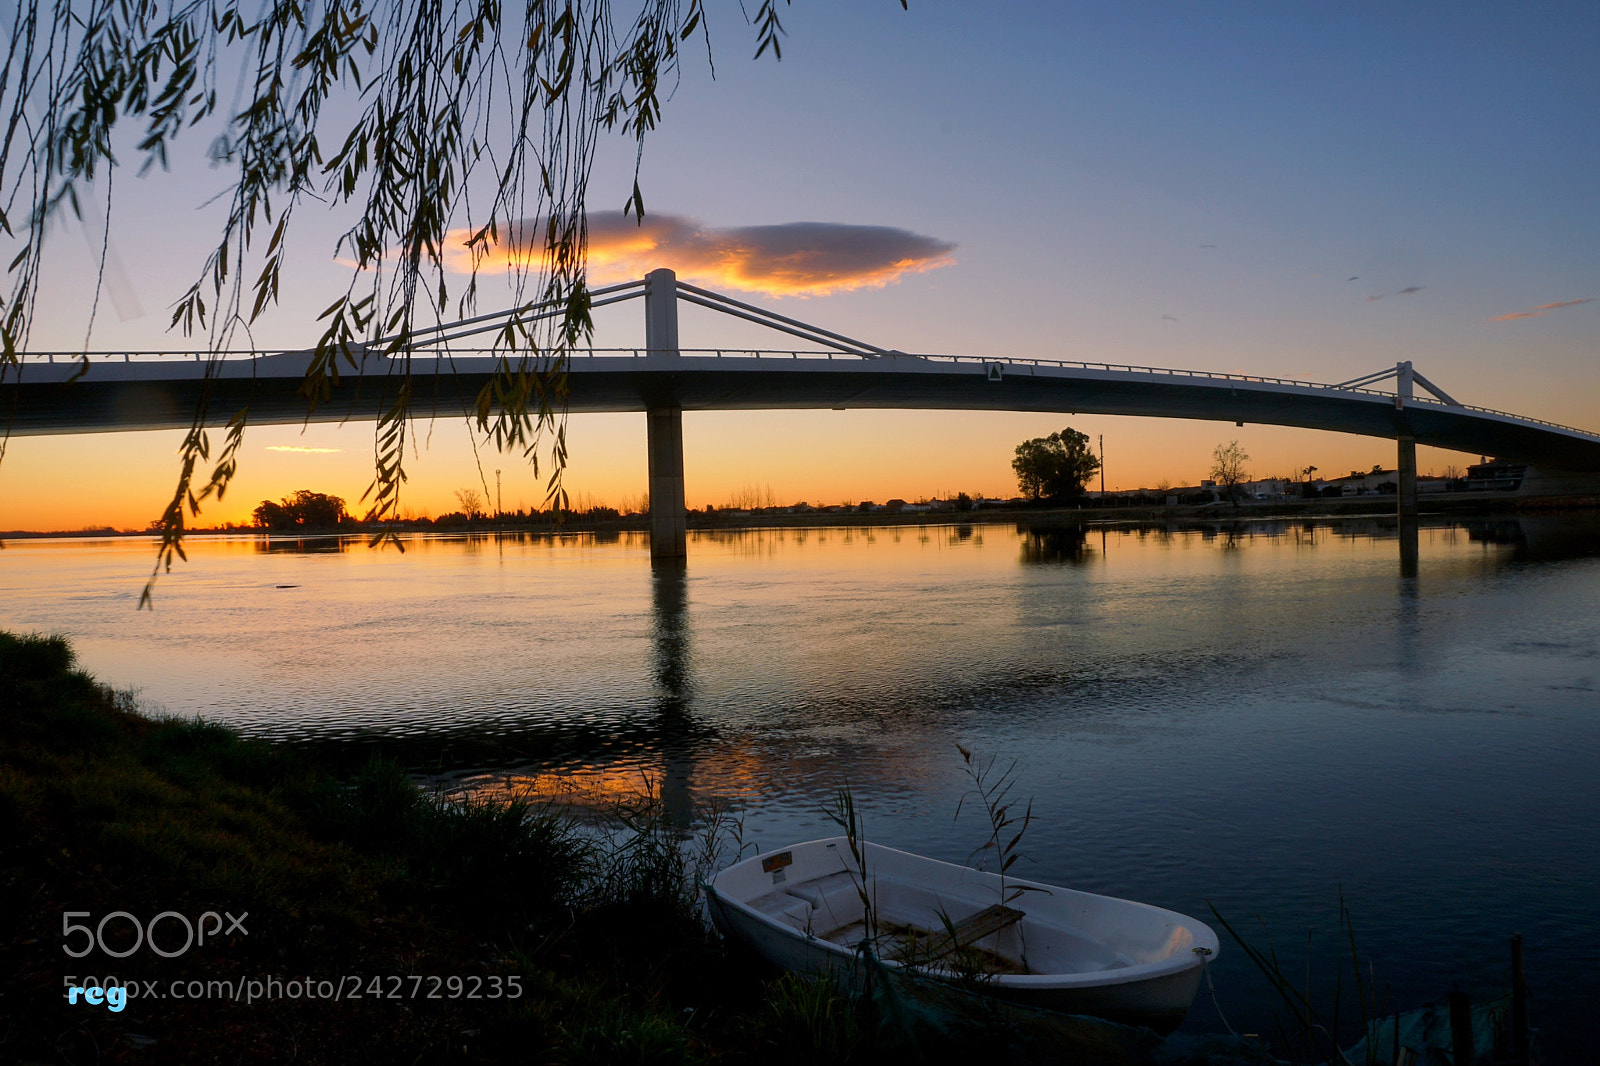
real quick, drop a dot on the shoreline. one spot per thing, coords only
(1451, 505)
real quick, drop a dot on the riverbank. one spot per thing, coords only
(261, 907)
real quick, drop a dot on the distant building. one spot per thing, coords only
(1494, 477)
(1269, 488)
(1375, 482)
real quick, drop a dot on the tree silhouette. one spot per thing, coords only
(1056, 467)
(303, 510)
(1227, 467)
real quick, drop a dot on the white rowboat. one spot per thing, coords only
(1054, 948)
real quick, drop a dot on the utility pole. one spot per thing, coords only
(1102, 468)
(498, 510)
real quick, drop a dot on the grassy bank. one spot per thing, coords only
(342, 878)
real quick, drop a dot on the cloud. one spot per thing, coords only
(297, 448)
(1542, 309)
(793, 259)
(1409, 290)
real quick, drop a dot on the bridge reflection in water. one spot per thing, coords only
(670, 661)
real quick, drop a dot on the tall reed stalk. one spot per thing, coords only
(994, 791)
(844, 814)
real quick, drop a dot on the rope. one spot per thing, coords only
(1205, 971)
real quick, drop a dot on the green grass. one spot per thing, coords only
(806, 1021)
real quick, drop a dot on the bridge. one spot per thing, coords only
(56, 392)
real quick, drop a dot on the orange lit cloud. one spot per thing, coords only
(1542, 309)
(793, 259)
(297, 448)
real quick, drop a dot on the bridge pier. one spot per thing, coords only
(669, 518)
(1406, 473)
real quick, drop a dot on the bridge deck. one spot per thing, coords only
(160, 393)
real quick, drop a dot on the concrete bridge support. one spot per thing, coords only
(669, 520)
(1406, 466)
(1406, 472)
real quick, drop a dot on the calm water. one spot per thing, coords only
(1260, 718)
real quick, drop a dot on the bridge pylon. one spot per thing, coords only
(669, 516)
(1406, 378)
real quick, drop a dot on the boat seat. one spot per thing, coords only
(785, 907)
(966, 932)
(797, 914)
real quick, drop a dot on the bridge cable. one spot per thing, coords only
(770, 318)
(525, 308)
(516, 312)
(812, 337)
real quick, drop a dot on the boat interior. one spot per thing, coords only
(917, 924)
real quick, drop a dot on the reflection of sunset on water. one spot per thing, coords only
(728, 773)
(583, 786)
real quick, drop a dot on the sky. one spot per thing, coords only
(1311, 191)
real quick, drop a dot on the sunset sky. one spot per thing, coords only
(1311, 191)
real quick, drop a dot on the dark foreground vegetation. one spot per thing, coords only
(345, 878)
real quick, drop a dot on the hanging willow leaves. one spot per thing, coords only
(421, 116)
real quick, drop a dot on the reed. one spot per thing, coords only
(995, 793)
(844, 814)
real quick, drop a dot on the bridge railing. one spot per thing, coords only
(778, 355)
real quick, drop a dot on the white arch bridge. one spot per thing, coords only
(67, 393)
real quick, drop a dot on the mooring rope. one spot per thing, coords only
(1205, 971)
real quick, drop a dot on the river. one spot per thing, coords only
(1259, 716)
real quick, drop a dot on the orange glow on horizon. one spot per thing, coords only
(824, 458)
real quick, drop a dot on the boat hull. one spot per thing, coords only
(1114, 959)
